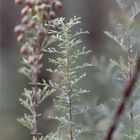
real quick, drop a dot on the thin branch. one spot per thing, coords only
(121, 107)
(70, 111)
(35, 87)
(69, 95)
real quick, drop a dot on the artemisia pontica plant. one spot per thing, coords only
(39, 27)
(32, 38)
(67, 100)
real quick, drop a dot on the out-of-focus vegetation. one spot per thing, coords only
(97, 17)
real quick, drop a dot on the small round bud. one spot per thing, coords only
(18, 2)
(19, 29)
(52, 15)
(31, 24)
(23, 50)
(58, 5)
(24, 11)
(25, 20)
(31, 60)
(29, 3)
(20, 38)
(32, 10)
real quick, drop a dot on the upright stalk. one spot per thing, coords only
(69, 89)
(66, 68)
(70, 109)
(35, 86)
(35, 100)
(127, 93)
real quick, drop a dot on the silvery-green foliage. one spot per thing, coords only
(65, 56)
(125, 38)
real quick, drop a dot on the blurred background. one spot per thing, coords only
(95, 18)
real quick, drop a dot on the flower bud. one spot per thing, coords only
(31, 60)
(23, 50)
(31, 24)
(32, 10)
(24, 11)
(20, 38)
(25, 20)
(58, 5)
(19, 29)
(18, 2)
(52, 15)
(29, 3)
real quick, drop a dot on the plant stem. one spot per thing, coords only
(35, 99)
(35, 88)
(121, 107)
(69, 89)
(70, 110)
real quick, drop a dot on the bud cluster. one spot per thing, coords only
(32, 36)
(34, 13)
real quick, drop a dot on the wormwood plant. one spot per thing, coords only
(32, 36)
(68, 98)
(39, 26)
(38, 29)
